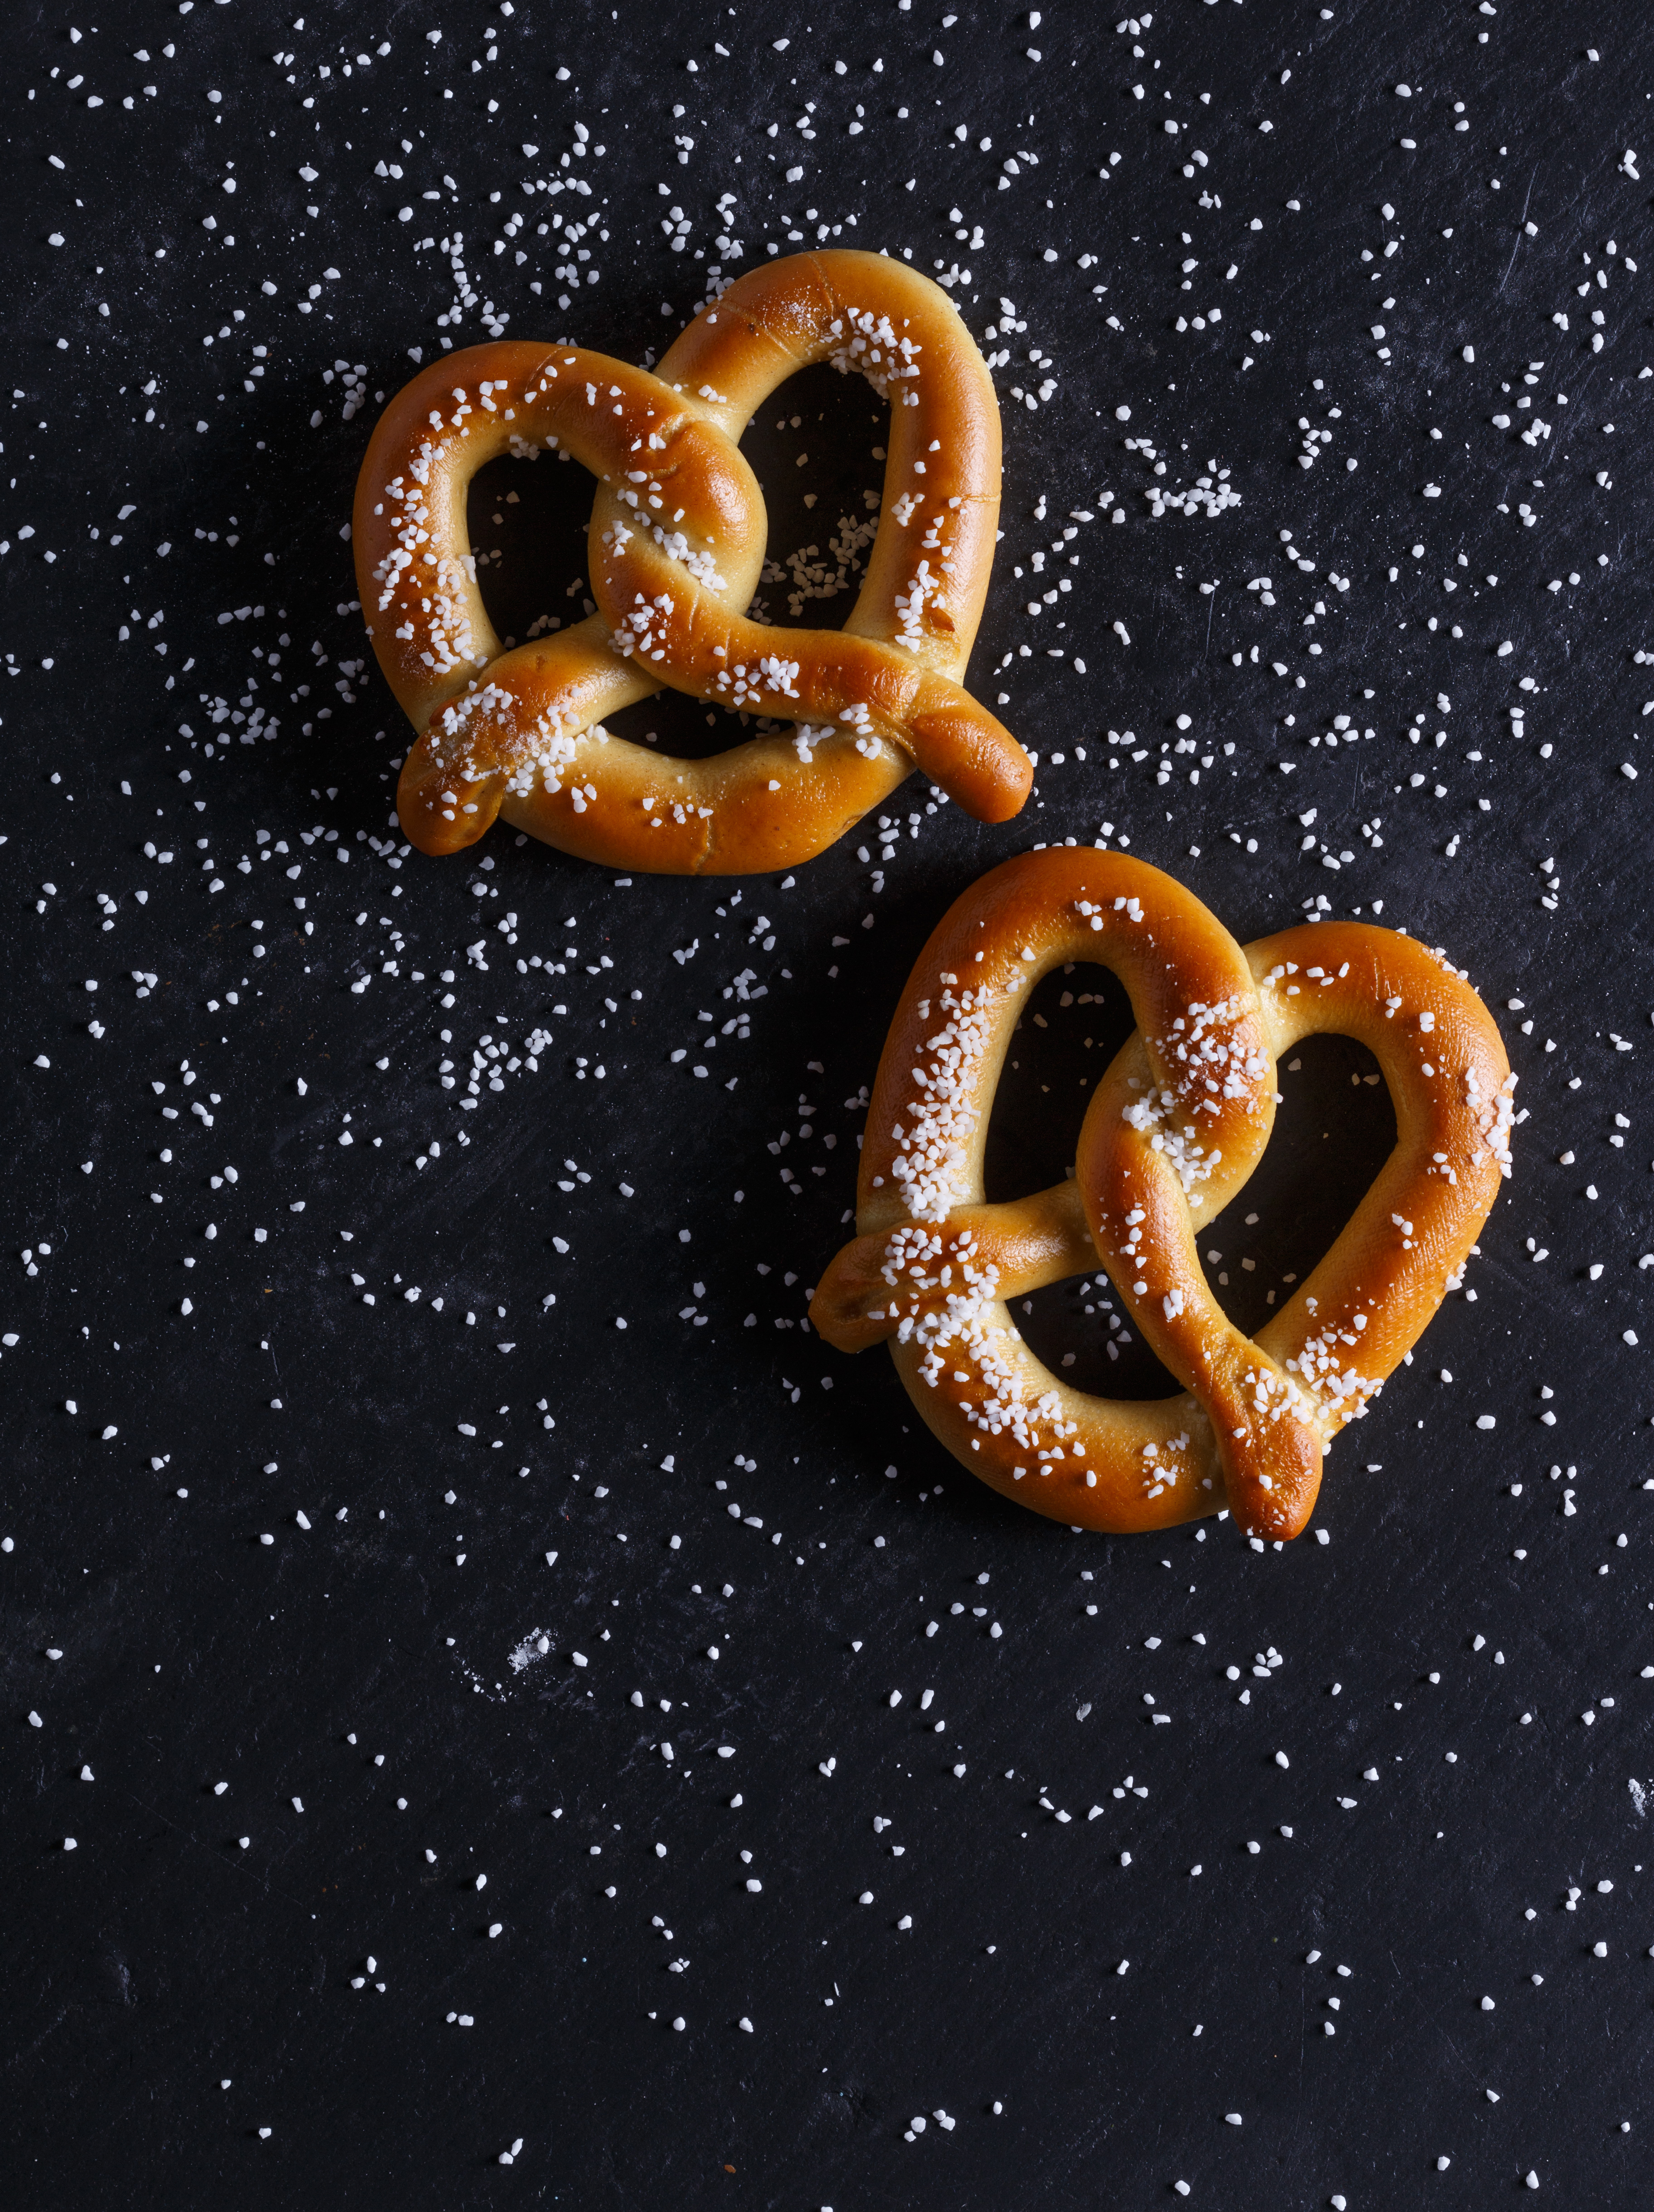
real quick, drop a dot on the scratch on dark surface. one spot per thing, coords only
(219, 1857)
(1589, 379)
(1521, 220)
(1457, 2054)
(41, 2036)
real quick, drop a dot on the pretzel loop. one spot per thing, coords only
(1173, 1132)
(675, 544)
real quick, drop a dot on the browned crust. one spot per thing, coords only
(1250, 1432)
(519, 734)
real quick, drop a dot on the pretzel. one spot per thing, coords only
(675, 544)
(1173, 1129)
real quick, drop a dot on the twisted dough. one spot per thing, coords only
(1173, 1132)
(675, 544)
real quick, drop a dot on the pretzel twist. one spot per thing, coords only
(1173, 1129)
(675, 544)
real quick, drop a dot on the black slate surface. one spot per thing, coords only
(181, 2021)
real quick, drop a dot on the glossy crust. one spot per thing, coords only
(1173, 1129)
(675, 545)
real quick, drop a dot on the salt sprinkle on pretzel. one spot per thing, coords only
(1173, 1129)
(675, 545)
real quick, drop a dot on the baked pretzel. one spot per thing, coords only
(675, 544)
(1173, 1131)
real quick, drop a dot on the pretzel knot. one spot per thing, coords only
(1173, 1131)
(675, 545)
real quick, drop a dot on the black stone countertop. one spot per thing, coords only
(283, 1652)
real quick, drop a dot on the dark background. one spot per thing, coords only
(170, 1992)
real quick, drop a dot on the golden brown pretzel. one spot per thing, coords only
(675, 544)
(1173, 1131)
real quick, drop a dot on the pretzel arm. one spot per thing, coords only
(430, 629)
(926, 1138)
(889, 680)
(845, 684)
(1144, 1218)
(961, 747)
(1348, 1328)
(488, 751)
(872, 317)
(1026, 1245)
(1116, 1465)
(521, 729)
